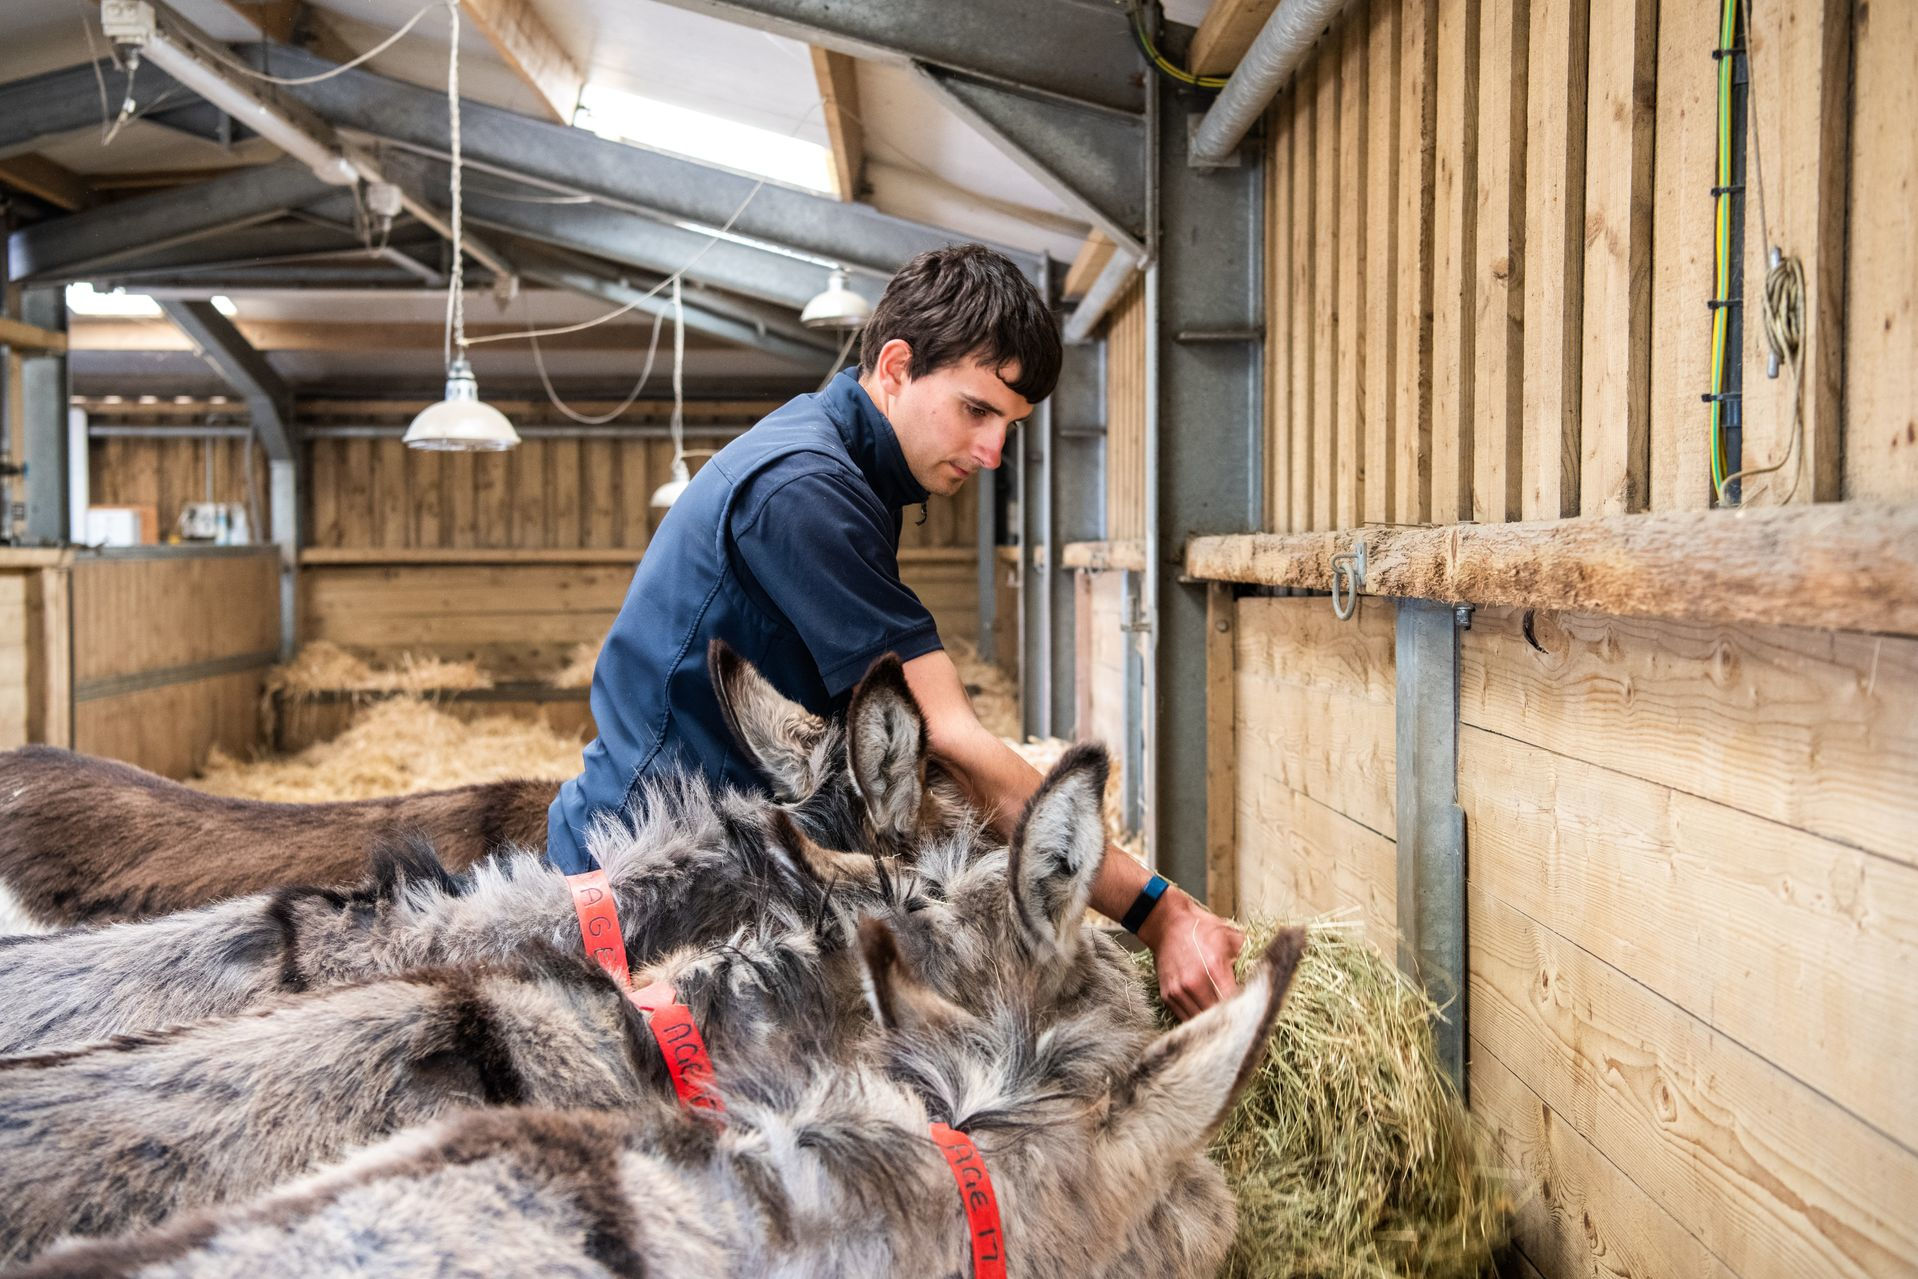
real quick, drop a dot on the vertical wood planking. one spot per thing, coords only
(659, 455)
(562, 489)
(462, 513)
(1382, 286)
(1221, 752)
(1800, 111)
(598, 476)
(389, 484)
(1555, 88)
(635, 491)
(1412, 340)
(356, 493)
(1278, 316)
(530, 513)
(426, 469)
(1685, 138)
(1453, 245)
(493, 499)
(1328, 242)
(1498, 353)
(1881, 291)
(1614, 433)
(323, 475)
(1305, 335)
(1349, 419)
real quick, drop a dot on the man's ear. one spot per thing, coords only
(1057, 848)
(783, 739)
(886, 748)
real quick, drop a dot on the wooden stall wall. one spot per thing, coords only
(1487, 302)
(1693, 896)
(1105, 645)
(166, 474)
(1125, 416)
(1693, 921)
(170, 651)
(1312, 727)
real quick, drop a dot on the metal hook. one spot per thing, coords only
(1350, 567)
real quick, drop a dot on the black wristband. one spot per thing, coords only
(1142, 905)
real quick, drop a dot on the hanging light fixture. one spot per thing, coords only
(668, 493)
(461, 422)
(837, 308)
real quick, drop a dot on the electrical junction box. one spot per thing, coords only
(126, 21)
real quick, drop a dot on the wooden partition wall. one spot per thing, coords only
(1685, 745)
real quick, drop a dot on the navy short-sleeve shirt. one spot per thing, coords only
(786, 546)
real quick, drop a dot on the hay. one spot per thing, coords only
(995, 697)
(1350, 1153)
(324, 667)
(394, 747)
(1043, 752)
(578, 671)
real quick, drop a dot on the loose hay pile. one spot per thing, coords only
(578, 671)
(324, 667)
(395, 747)
(1350, 1153)
(995, 698)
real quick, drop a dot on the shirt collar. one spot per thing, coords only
(869, 437)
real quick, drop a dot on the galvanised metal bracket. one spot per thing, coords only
(1431, 825)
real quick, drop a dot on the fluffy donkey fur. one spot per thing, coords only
(693, 862)
(835, 1177)
(126, 1133)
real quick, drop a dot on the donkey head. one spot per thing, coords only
(866, 782)
(1103, 1137)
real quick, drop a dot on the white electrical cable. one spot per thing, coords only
(213, 51)
(456, 293)
(679, 378)
(645, 374)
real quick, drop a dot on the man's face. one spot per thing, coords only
(949, 423)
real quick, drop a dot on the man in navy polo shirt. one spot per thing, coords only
(785, 545)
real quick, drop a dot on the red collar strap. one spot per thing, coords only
(671, 1022)
(976, 1197)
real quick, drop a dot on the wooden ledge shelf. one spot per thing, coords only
(1098, 557)
(1840, 565)
(330, 556)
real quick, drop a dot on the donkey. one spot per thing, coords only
(126, 1133)
(835, 1176)
(88, 841)
(693, 862)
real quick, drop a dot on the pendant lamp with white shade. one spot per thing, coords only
(461, 422)
(837, 308)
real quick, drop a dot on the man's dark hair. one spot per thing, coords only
(966, 302)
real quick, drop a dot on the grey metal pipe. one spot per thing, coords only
(1282, 44)
(1105, 290)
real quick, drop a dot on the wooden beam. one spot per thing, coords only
(1098, 557)
(527, 45)
(115, 334)
(274, 18)
(1226, 32)
(41, 177)
(1091, 260)
(22, 336)
(839, 97)
(1848, 566)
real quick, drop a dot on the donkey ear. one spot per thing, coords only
(814, 862)
(780, 736)
(1196, 1072)
(899, 1000)
(1057, 847)
(886, 748)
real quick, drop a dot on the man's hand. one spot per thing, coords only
(1194, 950)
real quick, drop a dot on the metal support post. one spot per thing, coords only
(1203, 452)
(1078, 511)
(1431, 825)
(283, 490)
(43, 433)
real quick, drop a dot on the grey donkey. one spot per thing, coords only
(697, 862)
(128, 1132)
(1096, 1170)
